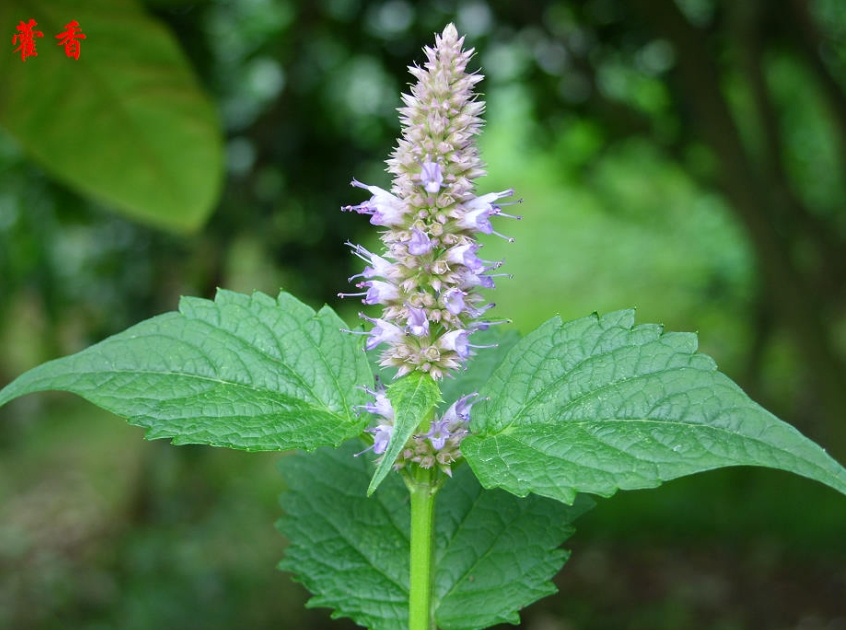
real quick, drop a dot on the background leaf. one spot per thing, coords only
(412, 397)
(126, 123)
(598, 404)
(246, 372)
(487, 541)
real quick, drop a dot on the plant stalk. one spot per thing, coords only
(422, 488)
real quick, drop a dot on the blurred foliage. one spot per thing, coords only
(683, 157)
(156, 154)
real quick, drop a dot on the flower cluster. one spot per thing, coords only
(428, 278)
(439, 446)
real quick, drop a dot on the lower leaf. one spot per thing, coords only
(494, 553)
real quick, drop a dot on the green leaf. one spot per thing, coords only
(246, 372)
(412, 397)
(598, 404)
(494, 553)
(126, 123)
(350, 551)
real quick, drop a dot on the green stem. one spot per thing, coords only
(422, 487)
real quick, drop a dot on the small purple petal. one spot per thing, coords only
(465, 254)
(377, 266)
(381, 437)
(382, 332)
(438, 434)
(420, 243)
(462, 406)
(379, 292)
(457, 341)
(479, 210)
(476, 313)
(477, 220)
(418, 324)
(453, 300)
(469, 279)
(386, 209)
(431, 177)
(485, 200)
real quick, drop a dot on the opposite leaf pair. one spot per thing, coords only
(594, 405)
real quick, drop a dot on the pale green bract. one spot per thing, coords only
(412, 398)
(599, 404)
(246, 372)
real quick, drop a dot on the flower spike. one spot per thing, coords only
(428, 278)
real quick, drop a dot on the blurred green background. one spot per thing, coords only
(685, 157)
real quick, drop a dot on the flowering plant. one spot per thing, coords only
(506, 436)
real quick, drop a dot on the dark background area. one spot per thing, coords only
(685, 157)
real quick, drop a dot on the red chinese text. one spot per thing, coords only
(26, 38)
(69, 38)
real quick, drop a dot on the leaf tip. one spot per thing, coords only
(374, 484)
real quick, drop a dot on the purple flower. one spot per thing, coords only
(429, 277)
(428, 282)
(386, 209)
(479, 210)
(377, 266)
(459, 411)
(381, 437)
(453, 300)
(469, 280)
(418, 324)
(456, 341)
(445, 435)
(465, 254)
(382, 332)
(438, 433)
(476, 313)
(431, 177)
(379, 292)
(381, 405)
(420, 243)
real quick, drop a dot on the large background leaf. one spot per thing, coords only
(125, 123)
(598, 404)
(246, 372)
(494, 553)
